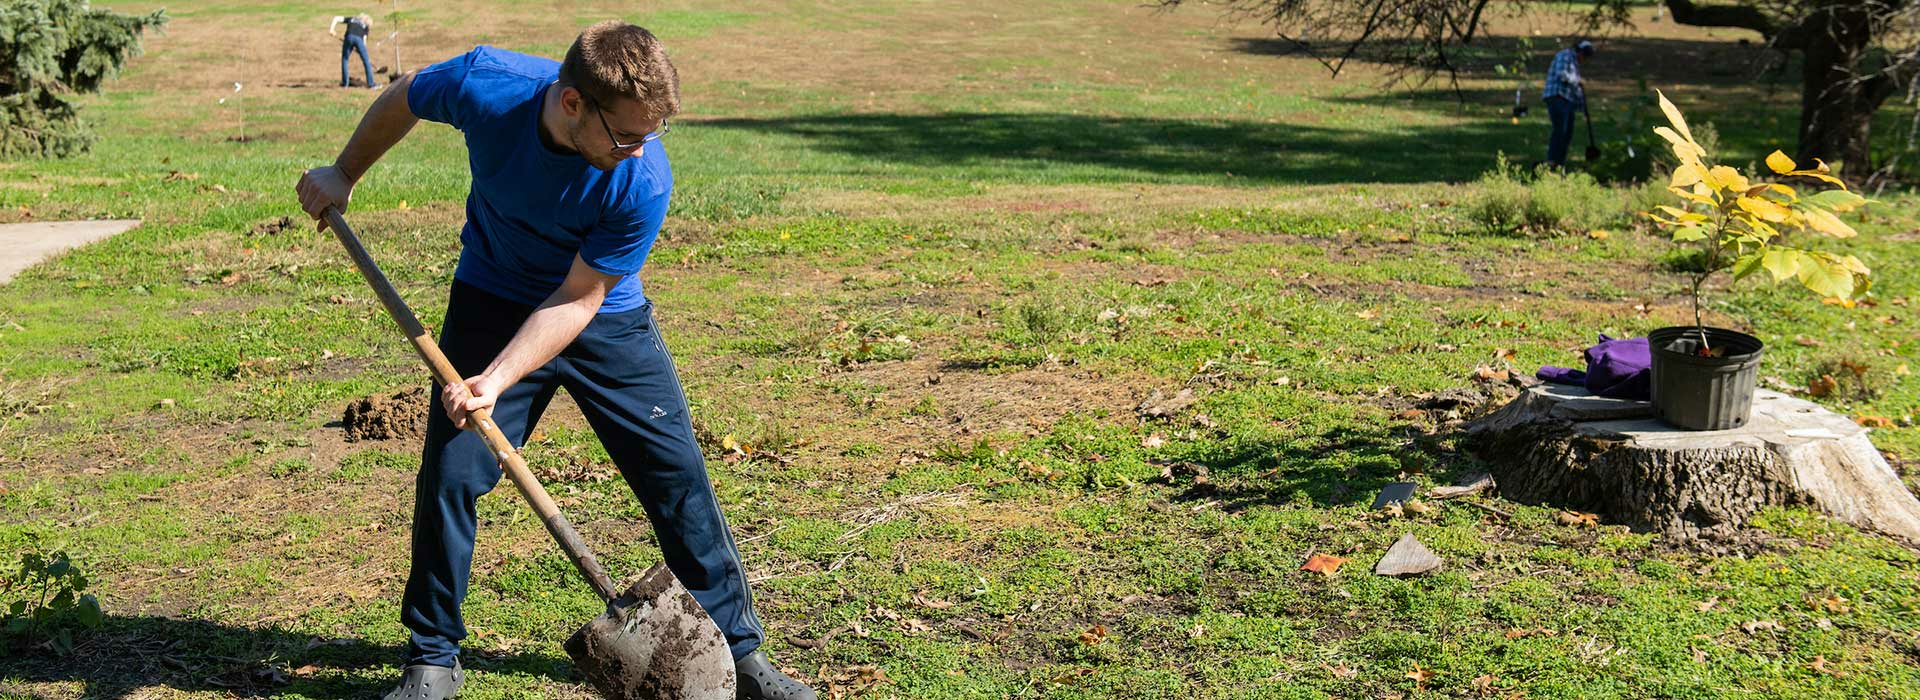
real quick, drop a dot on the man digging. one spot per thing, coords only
(570, 186)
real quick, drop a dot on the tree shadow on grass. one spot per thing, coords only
(1091, 148)
(1339, 467)
(1622, 61)
(132, 653)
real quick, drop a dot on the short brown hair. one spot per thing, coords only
(613, 60)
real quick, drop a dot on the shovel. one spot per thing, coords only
(1593, 149)
(654, 642)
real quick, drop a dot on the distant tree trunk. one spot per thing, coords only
(1844, 78)
(1837, 98)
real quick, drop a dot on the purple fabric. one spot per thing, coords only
(1561, 375)
(1616, 368)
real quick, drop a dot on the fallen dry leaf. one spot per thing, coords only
(1819, 665)
(1419, 507)
(1419, 675)
(1340, 671)
(1484, 373)
(1707, 604)
(1094, 636)
(1574, 518)
(1482, 684)
(1823, 386)
(1323, 564)
(1757, 626)
(1873, 421)
(926, 602)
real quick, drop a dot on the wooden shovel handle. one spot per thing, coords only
(480, 421)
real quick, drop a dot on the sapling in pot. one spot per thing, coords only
(1703, 378)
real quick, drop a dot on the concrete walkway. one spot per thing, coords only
(24, 245)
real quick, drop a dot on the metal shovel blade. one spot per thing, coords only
(655, 642)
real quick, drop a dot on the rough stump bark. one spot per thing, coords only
(1560, 445)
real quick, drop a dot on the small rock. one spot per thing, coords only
(1408, 557)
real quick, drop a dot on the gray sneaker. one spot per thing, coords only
(759, 680)
(426, 682)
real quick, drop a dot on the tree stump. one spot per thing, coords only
(1559, 445)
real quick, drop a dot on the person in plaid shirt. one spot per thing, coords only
(1565, 92)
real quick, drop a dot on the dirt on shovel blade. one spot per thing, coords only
(402, 416)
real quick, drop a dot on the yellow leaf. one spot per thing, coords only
(1780, 163)
(1685, 175)
(1783, 263)
(1819, 170)
(1597, 234)
(1764, 209)
(1817, 174)
(1673, 116)
(1681, 215)
(1696, 195)
(1684, 148)
(1825, 222)
(733, 446)
(1723, 177)
(1828, 276)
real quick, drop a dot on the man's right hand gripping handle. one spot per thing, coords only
(323, 187)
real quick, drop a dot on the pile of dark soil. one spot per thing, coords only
(397, 417)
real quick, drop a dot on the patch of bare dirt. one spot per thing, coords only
(400, 416)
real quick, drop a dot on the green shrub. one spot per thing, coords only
(46, 601)
(1545, 202)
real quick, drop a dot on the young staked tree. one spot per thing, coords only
(1856, 54)
(52, 51)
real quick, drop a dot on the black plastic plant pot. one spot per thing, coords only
(1697, 392)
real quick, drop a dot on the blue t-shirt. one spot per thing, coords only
(532, 209)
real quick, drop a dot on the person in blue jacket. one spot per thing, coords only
(570, 184)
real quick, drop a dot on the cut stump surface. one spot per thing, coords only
(1560, 445)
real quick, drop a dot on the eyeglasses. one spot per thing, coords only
(626, 147)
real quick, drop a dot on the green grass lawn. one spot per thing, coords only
(925, 261)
